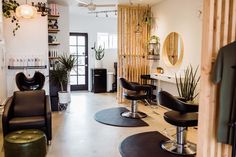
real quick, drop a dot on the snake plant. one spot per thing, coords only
(186, 86)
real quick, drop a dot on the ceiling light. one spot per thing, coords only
(26, 11)
(91, 6)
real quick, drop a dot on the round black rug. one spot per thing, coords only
(113, 117)
(144, 145)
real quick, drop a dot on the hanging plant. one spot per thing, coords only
(9, 9)
(147, 17)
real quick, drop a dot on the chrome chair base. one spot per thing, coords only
(135, 115)
(187, 149)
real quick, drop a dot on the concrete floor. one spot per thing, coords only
(77, 134)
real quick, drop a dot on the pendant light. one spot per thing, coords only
(26, 11)
(138, 29)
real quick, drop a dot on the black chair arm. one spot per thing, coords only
(48, 117)
(7, 114)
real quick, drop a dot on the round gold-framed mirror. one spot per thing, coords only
(173, 49)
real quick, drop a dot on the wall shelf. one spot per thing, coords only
(53, 57)
(56, 43)
(153, 57)
(53, 16)
(27, 67)
(53, 30)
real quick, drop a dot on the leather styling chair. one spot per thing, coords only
(145, 79)
(35, 83)
(134, 93)
(182, 115)
(28, 110)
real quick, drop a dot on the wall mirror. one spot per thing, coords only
(173, 49)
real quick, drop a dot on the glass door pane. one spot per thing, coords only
(79, 49)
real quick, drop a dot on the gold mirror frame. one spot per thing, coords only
(166, 55)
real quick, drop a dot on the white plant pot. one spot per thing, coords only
(98, 63)
(64, 97)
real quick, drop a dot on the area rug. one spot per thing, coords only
(144, 145)
(113, 117)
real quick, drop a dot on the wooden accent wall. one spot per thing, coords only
(219, 27)
(132, 48)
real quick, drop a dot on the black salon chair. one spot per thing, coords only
(145, 81)
(28, 110)
(134, 93)
(35, 83)
(182, 115)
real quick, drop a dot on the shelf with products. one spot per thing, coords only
(27, 67)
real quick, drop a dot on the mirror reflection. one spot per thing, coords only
(173, 49)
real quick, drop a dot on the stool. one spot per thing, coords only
(25, 143)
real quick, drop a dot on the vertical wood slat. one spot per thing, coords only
(219, 29)
(132, 51)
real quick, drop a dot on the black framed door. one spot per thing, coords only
(79, 49)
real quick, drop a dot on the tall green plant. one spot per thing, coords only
(59, 75)
(67, 61)
(186, 86)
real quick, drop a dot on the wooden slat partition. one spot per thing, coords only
(132, 48)
(219, 29)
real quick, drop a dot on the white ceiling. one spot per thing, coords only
(74, 9)
(74, 2)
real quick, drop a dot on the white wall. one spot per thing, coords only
(31, 40)
(63, 34)
(92, 25)
(3, 89)
(180, 16)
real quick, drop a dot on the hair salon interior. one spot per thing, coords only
(118, 78)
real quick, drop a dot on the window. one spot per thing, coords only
(109, 41)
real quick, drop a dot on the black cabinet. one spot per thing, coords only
(99, 80)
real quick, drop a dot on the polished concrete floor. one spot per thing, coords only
(77, 134)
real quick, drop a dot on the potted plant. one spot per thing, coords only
(187, 85)
(68, 62)
(99, 54)
(59, 76)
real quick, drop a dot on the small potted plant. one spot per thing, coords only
(99, 54)
(187, 85)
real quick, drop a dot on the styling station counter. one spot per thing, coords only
(166, 83)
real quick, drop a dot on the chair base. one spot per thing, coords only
(187, 149)
(135, 115)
